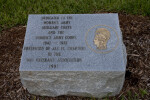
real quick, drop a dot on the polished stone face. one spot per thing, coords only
(73, 42)
(74, 54)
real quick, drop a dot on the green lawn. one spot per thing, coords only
(15, 12)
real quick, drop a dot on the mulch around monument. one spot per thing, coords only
(136, 36)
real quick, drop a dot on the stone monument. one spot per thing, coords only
(73, 54)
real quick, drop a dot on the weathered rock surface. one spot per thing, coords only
(89, 84)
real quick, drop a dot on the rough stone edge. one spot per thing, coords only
(31, 76)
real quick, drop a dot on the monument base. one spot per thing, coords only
(91, 63)
(78, 83)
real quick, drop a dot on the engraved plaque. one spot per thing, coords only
(68, 42)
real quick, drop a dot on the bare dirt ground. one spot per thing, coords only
(136, 36)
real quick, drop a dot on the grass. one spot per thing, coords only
(15, 12)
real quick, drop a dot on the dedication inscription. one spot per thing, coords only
(54, 37)
(74, 54)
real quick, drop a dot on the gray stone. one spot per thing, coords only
(73, 54)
